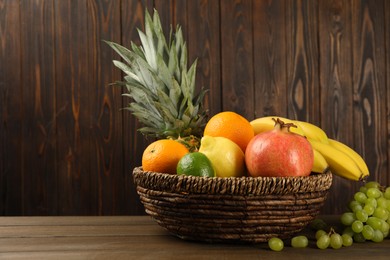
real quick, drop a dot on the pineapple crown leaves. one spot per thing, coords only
(159, 83)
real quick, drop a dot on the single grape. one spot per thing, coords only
(357, 208)
(363, 189)
(361, 215)
(357, 226)
(359, 238)
(381, 213)
(299, 242)
(353, 204)
(378, 236)
(374, 222)
(368, 232)
(347, 218)
(373, 193)
(336, 241)
(369, 209)
(360, 197)
(371, 201)
(347, 240)
(276, 244)
(320, 233)
(382, 202)
(384, 226)
(323, 242)
(385, 229)
(372, 184)
(386, 194)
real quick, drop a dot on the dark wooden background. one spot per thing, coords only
(67, 148)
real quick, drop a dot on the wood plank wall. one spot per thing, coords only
(67, 148)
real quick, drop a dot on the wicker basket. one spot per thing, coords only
(231, 209)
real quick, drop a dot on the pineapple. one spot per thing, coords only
(161, 86)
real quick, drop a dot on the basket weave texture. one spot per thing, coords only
(232, 209)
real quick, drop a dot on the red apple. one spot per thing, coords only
(279, 153)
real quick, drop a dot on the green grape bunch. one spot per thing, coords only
(368, 214)
(366, 219)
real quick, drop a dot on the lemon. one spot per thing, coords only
(196, 164)
(226, 156)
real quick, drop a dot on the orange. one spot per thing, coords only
(232, 126)
(163, 156)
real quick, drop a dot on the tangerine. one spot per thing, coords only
(230, 125)
(163, 156)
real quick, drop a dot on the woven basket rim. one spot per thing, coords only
(243, 186)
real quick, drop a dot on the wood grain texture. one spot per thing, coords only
(141, 238)
(369, 110)
(335, 69)
(133, 142)
(237, 57)
(302, 60)
(269, 55)
(10, 109)
(386, 177)
(39, 140)
(205, 46)
(107, 143)
(336, 88)
(67, 147)
(73, 109)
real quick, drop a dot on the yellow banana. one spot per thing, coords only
(263, 124)
(312, 131)
(353, 154)
(320, 165)
(340, 163)
(309, 130)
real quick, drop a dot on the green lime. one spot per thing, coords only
(196, 164)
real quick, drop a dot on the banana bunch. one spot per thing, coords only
(328, 153)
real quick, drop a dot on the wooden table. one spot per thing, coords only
(139, 237)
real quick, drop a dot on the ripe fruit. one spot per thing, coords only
(195, 164)
(276, 244)
(163, 156)
(339, 162)
(367, 218)
(266, 123)
(336, 241)
(299, 241)
(225, 155)
(347, 240)
(279, 153)
(323, 241)
(351, 153)
(232, 126)
(313, 132)
(320, 165)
